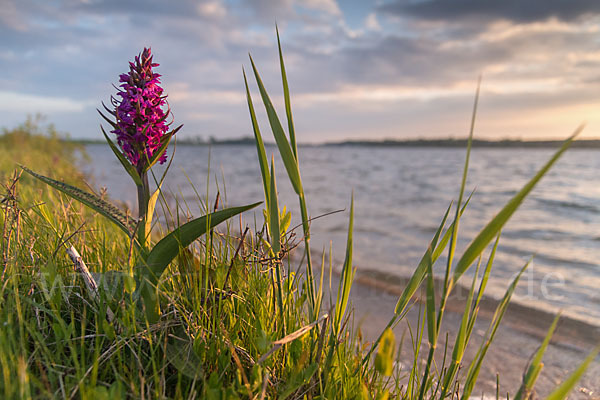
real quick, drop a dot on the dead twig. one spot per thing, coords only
(290, 338)
(90, 283)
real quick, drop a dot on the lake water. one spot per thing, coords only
(400, 196)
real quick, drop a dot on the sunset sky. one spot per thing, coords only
(357, 69)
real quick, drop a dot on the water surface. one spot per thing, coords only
(401, 195)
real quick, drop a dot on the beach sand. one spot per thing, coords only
(519, 336)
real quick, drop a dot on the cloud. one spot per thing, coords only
(404, 55)
(372, 23)
(492, 10)
(27, 103)
(212, 9)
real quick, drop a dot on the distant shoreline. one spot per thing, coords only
(460, 143)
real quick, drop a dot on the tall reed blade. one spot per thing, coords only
(286, 96)
(347, 276)
(495, 225)
(536, 365)
(561, 392)
(290, 161)
(260, 147)
(275, 236)
(474, 368)
(287, 155)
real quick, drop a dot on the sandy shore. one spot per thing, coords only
(521, 332)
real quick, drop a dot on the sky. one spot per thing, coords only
(357, 69)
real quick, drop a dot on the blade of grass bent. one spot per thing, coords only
(291, 164)
(493, 227)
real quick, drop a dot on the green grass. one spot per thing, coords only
(238, 317)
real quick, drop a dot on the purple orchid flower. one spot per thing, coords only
(141, 121)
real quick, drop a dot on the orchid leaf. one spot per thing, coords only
(112, 123)
(124, 161)
(125, 223)
(168, 247)
(149, 214)
(179, 351)
(165, 140)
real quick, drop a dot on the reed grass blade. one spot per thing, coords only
(475, 366)
(563, 390)
(486, 235)
(287, 155)
(347, 275)
(534, 368)
(286, 96)
(260, 147)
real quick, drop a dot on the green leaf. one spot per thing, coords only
(347, 276)
(475, 367)
(275, 234)
(535, 367)
(124, 161)
(384, 359)
(563, 390)
(260, 147)
(284, 221)
(287, 155)
(286, 96)
(163, 147)
(149, 214)
(430, 301)
(168, 247)
(495, 225)
(101, 206)
(180, 353)
(113, 124)
(274, 213)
